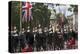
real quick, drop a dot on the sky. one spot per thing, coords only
(61, 9)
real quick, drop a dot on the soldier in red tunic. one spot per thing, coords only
(71, 43)
(27, 48)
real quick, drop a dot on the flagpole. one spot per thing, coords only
(20, 24)
(20, 17)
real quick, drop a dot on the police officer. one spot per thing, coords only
(11, 40)
(35, 34)
(45, 37)
(39, 38)
(71, 33)
(27, 34)
(60, 40)
(65, 35)
(50, 36)
(56, 39)
(29, 37)
(15, 38)
(22, 38)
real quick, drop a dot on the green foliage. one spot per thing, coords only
(74, 7)
(15, 14)
(41, 14)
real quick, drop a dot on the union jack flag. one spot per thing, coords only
(26, 11)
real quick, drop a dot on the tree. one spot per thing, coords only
(41, 14)
(15, 14)
(74, 7)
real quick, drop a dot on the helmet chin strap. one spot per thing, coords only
(35, 31)
(45, 31)
(15, 31)
(40, 30)
(22, 31)
(28, 30)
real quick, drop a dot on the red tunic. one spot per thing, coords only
(71, 42)
(29, 49)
